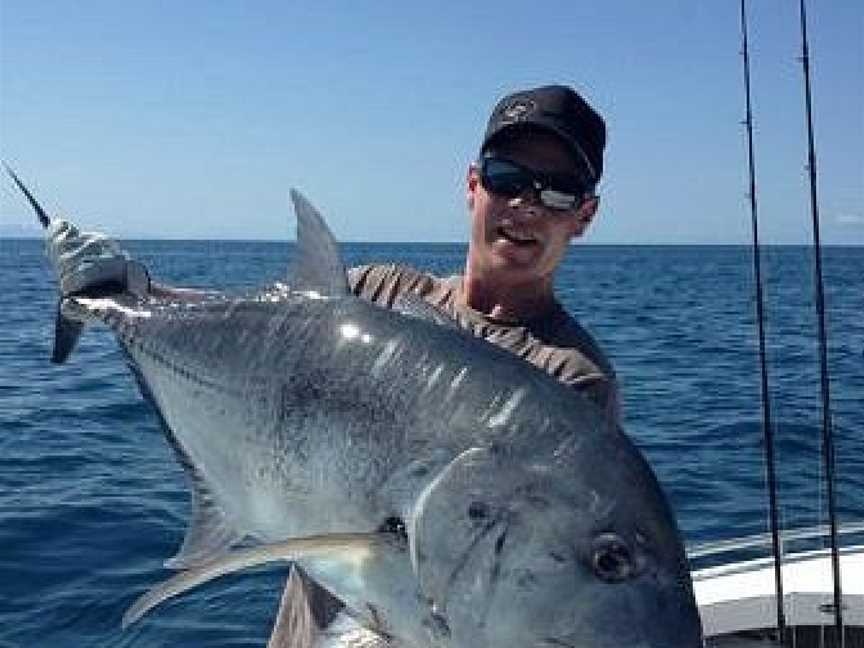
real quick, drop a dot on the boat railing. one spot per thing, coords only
(797, 539)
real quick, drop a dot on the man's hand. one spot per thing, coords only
(88, 261)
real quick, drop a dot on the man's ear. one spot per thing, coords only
(472, 182)
(585, 214)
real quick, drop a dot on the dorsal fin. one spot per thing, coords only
(317, 265)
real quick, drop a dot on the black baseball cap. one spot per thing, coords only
(559, 110)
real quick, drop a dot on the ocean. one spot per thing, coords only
(92, 501)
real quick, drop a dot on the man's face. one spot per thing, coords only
(518, 239)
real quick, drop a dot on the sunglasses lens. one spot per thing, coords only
(510, 180)
(504, 178)
(558, 199)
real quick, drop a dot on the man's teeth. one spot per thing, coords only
(516, 237)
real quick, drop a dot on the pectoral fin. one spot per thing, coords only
(339, 557)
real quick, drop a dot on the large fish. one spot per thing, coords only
(449, 493)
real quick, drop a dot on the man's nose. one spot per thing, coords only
(527, 201)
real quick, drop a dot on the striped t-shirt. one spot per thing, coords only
(554, 342)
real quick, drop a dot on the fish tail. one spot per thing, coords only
(43, 218)
(66, 334)
(66, 329)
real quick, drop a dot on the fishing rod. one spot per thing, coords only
(827, 428)
(767, 429)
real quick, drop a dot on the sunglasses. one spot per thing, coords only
(555, 191)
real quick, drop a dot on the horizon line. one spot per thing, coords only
(165, 239)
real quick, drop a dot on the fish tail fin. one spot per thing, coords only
(66, 334)
(43, 218)
(67, 330)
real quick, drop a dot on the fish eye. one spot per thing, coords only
(611, 559)
(394, 526)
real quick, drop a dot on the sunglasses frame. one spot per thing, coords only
(545, 186)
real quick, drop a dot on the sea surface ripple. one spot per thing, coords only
(92, 502)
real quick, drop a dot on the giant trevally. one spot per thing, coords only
(448, 492)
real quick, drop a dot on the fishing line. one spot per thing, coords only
(767, 430)
(827, 431)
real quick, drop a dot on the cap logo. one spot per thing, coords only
(519, 110)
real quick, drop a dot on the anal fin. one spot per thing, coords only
(209, 534)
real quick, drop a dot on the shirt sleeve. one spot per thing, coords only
(571, 354)
(382, 284)
(557, 344)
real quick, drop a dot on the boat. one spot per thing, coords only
(736, 593)
(784, 588)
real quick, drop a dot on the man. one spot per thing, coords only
(530, 192)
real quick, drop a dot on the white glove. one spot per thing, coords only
(90, 261)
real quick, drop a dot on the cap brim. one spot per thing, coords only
(512, 129)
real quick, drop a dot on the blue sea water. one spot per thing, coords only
(92, 501)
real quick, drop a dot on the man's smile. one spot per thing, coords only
(516, 236)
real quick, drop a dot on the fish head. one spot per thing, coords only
(516, 553)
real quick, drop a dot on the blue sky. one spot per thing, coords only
(192, 119)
